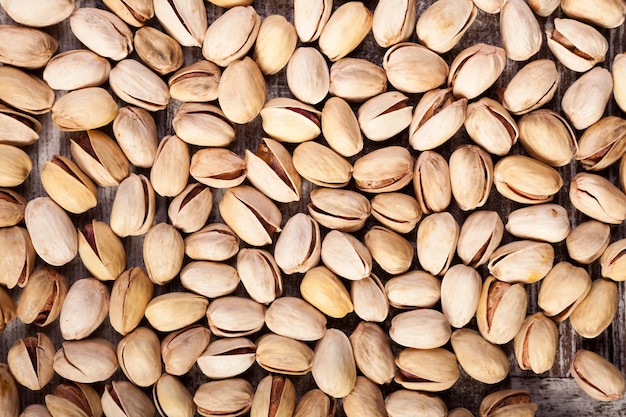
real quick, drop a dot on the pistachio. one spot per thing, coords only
(136, 134)
(203, 125)
(175, 310)
(597, 310)
(315, 403)
(30, 361)
(181, 349)
(391, 251)
(544, 8)
(170, 169)
(523, 261)
(100, 157)
(334, 370)
(275, 396)
(460, 412)
(603, 143)
(218, 168)
(511, 402)
(431, 182)
(346, 256)
(377, 114)
(444, 23)
(190, 209)
(185, 21)
(288, 120)
(231, 35)
(585, 100)
(480, 359)
(242, 91)
(596, 197)
(501, 310)
(26, 47)
(67, 185)
(274, 44)
(130, 295)
(532, 87)
(134, 207)
(461, 287)
(536, 126)
(369, 299)
(526, 180)
(365, 399)
(343, 210)
(8, 309)
(226, 358)
(283, 355)
(403, 403)
(340, 127)
(397, 211)
(133, 12)
(619, 88)
(412, 68)
(24, 91)
(32, 13)
(491, 126)
(171, 397)
(198, 82)
(310, 18)
(356, 79)
(84, 109)
(79, 68)
(345, 30)
(102, 32)
(79, 399)
(611, 262)
(12, 206)
(298, 247)
(235, 316)
(437, 236)
(139, 356)
(424, 328)
(86, 361)
(372, 352)
(295, 318)
(17, 256)
(308, 77)
(599, 378)
(17, 129)
(228, 397)
(535, 344)
(606, 14)
(101, 251)
(125, 399)
(85, 307)
(163, 253)
(576, 45)
(42, 297)
(259, 275)
(35, 410)
(211, 279)
(393, 21)
(325, 291)
(383, 170)
(475, 69)
(413, 289)
(136, 84)
(429, 370)
(544, 222)
(588, 241)
(520, 30)
(321, 165)
(471, 176)
(158, 51)
(436, 119)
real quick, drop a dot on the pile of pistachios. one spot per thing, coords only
(402, 283)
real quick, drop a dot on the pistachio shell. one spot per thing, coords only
(536, 126)
(198, 82)
(218, 168)
(397, 211)
(461, 287)
(235, 316)
(310, 18)
(413, 289)
(158, 51)
(345, 30)
(437, 236)
(526, 180)
(520, 30)
(597, 310)
(383, 170)
(518, 98)
(346, 256)
(596, 197)
(130, 295)
(283, 355)
(136, 134)
(80, 68)
(185, 21)
(334, 369)
(475, 69)
(523, 261)
(295, 318)
(536, 343)
(480, 359)
(431, 182)
(33, 13)
(356, 79)
(544, 222)
(444, 23)
(229, 397)
(86, 361)
(372, 352)
(491, 126)
(340, 127)
(587, 241)
(369, 299)
(275, 44)
(175, 310)
(85, 307)
(242, 91)
(24, 91)
(84, 109)
(298, 247)
(599, 378)
(325, 291)
(25, 47)
(501, 310)
(339, 209)
(576, 45)
(308, 76)
(226, 358)
(412, 68)
(231, 35)
(102, 32)
(430, 370)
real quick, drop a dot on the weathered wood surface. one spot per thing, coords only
(555, 391)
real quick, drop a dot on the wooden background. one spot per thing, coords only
(555, 391)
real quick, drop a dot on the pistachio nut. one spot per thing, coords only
(372, 352)
(598, 198)
(32, 13)
(356, 79)
(170, 169)
(460, 412)
(423, 328)
(101, 251)
(125, 399)
(619, 87)
(163, 253)
(8, 309)
(310, 18)
(15, 166)
(597, 310)
(346, 256)
(25, 91)
(391, 251)
(137, 85)
(85, 307)
(79, 399)
(134, 207)
(430, 370)
(475, 69)
(412, 68)
(190, 209)
(520, 30)
(606, 13)
(588, 241)
(384, 116)
(611, 262)
(288, 120)
(12, 207)
(369, 299)
(536, 126)
(315, 403)
(158, 51)
(437, 236)
(211, 279)
(298, 247)
(185, 21)
(198, 82)
(444, 23)
(491, 126)
(365, 399)
(102, 32)
(436, 119)
(431, 182)
(598, 377)
(334, 369)
(30, 361)
(544, 222)
(413, 289)
(507, 402)
(481, 360)
(471, 176)
(175, 310)
(100, 158)
(134, 12)
(340, 127)
(10, 395)
(35, 410)
(523, 261)
(17, 256)
(79, 68)
(26, 47)
(139, 356)
(321, 165)
(130, 295)
(403, 403)
(181, 349)
(275, 396)
(532, 87)
(226, 358)
(544, 8)
(242, 91)
(86, 361)
(345, 30)
(501, 310)
(51, 231)
(275, 43)
(339, 209)
(295, 318)
(218, 168)
(280, 354)
(259, 275)
(17, 128)
(397, 211)
(203, 125)
(585, 100)
(393, 21)
(231, 35)
(84, 109)
(526, 180)
(461, 287)
(383, 170)
(172, 398)
(325, 291)
(42, 298)
(536, 343)
(308, 77)
(235, 316)
(576, 45)
(603, 143)
(228, 397)
(136, 134)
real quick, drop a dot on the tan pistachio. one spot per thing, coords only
(259, 274)
(231, 35)
(384, 116)
(491, 126)
(242, 91)
(430, 370)
(130, 295)
(520, 30)
(198, 82)
(606, 13)
(345, 30)
(33, 13)
(10, 394)
(397, 211)
(526, 180)
(576, 45)
(125, 399)
(424, 328)
(535, 344)
(134, 12)
(536, 126)
(137, 85)
(136, 134)
(391, 251)
(618, 70)
(101, 251)
(369, 299)
(544, 222)
(334, 369)
(315, 403)
(365, 399)
(139, 356)
(84, 109)
(234, 316)
(339, 209)
(175, 310)
(295, 318)
(172, 398)
(393, 21)
(597, 310)
(471, 176)
(30, 361)
(402, 403)
(15, 166)
(85, 307)
(8, 309)
(181, 349)
(321, 165)
(26, 47)
(275, 43)
(437, 236)
(383, 170)
(588, 241)
(598, 377)
(436, 119)
(460, 412)
(158, 51)
(288, 120)
(372, 352)
(12, 207)
(218, 168)
(25, 91)
(481, 360)
(544, 8)
(275, 396)
(501, 310)
(163, 253)
(190, 209)
(17, 256)
(226, 358)
(507, 402)
(431, 182)
(443, 24)
(310, 17)
(79, 399)
(475, 69)
(356, 79)
(99, 156)
(102, 32)
(308, 76)
(17, 128)
(340, 127)
(86, 361)
(586, 99)
(203, 125)
(134, 207)
(413, 289)
(228, 397)
(611, 262)
(325, 291)
(79, 68)
(170, 169)
(35, 410)
(42, 298)
(280, 354)
(346, 256)
(603, 143)
(523, 261)
(298, 247)
(413, 68)
(461, 287)
(532, 87)
(185, 21)
(598, 198)
(211, 279)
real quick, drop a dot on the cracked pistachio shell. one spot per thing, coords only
(84, 109)
(163, 253)
(308, 77)
(288, 120)
(231, 35)
(250, 214)
(102, 32)
(68, 186)
(299, 244)
(80, 68)
(25, 91)
(218, 168)
(431, 182)
(134, 207)
(604, 13)
(8, 309)
(85, 307)
(271, 171)
(372, 352)
(365, 400)
(17, 256)
(228, 397)
(101, 251)
(12, 206)
(436, 119)
(136, 134)
(369, 299)
(603, 143)
(356, 79)
(413, 289)
(491, 126)
(130, 295)
(25, 47)
(242, 91)
(172, 398)
(226, 358)
(535, 344)
(598, 377)
(259, 275)
(182, 348)
(274, 44)
(42, 298)
(51, 231)
(397, 211)
(347, 27)
(412, 68)
(18, 129)
(275, 396)
(37, 14)
(403, 403)
(391, 251)
(198, 82)
(170, 169)
(576, 45)
(280, 354)
(526, 180)
(471, 176)
(393, 21)
(185, 21)
(140, 357)
(342, 210)
(211, 279)
(481, 360)
(546, 136)
(346, 256)
(513, 402)
(619, 74)
(137, 85)
(334, 369)
(430, 370)
(99, 156)
(310, 18)
(523, 261)
(86, 361)
(235, 316)
(501, 310)
(203, 125)
(544, 222)
(597, 310)
(175, 310)
(321, 165)
(585, 100)
(315, 403)
(475, 69)
(30, 361)
(612, 265)
(295, 318)
(190, 209)
(340, 127)
(134, 12)
(122, 398)
(443, 24)
(158, 51)
(461, 287)
(437, 236)
(423, 328)
(384, 116)
(383, 170)
(520, 30)
(80, 400)
(35, 410)
(533, 86)
(325, 291)
(598, 198)
(588, 241)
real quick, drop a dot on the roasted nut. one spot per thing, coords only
(85, 307)
(480, 235)
(535, 344)
(431, 182)
(403, 403)
(24, 91)
(424, 328)
(295, 318)
(198, 82)
(523, 261)
(97, 154)
(372, 352)
(596, 197)
(203, 125)
(325, 291)
(321, 165)
(429, 370)
(365, 399)
(10, 396)
(86, 361)
(491, 126)
(42, 298)
(211, 279)
(242, 91)
(136, 134)
(437, 236)
(356, 79)
(480, 359)
(139, 356)
(172, 398)
(182, 348)
(340, 127)
(26, 47)
(475, 69)
(76, 69)
(275, 396)
(218, 168)
(520, 30)
(606, 14)
(235, 316)
(163, 253)
(397, 211)
(190, 209)
(383, 170)
(599, 378)
(501, 310)
(274, 44)
(511, 402)
(170, 170)
(298, 247)
(134, 207)
(33, 13)
(342, 210)
(17, 256)
(175, 310)
(393, 22)
(226, 358)
(259, 275)
(79, 399)
(412, 68)
(345, 30)
(101, 251)
(444, 23)
(544, 222)
(30, 361)
(8, 309)
(334, 370)
(597, 310)
(288, 120)
(413, 289)
(536, 126)
(316, 404)
(346, 256)
(587, 241)
(384, 116)
(460, 293)
(84, 109)
(283, 355)
(391, 251)
(133, 12)
(159, 51)
(124, 398)
(526, 180)
(576, 45)
(185, 21)
(231, 35)
(603, 143)
(471, 176)
(532, 87)
(136, 84)
(585, 100)
(130, 295)
(229, 397)
(308, 77)
(18, 129)
(369, 299)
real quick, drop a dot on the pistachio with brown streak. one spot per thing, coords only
(501, 310)
(480, 235)
(134, 12)
(218, 168)
(181, 349)
(397, 211)
(369, 299)
(134, 207)
(124, 398)
(535, 344)
(42, 298)
(346, 256)
(97, 154)
(190, 209)
(526, 180)
(275, 396)
(383, 170)
(384, 116)
(203, 125)
(184, 21)
(430, 370)
(226, 358)
(77, 398)
(523, 261)
(491, 126)
(260, 275)
(576, 45)
(471, 176)
(30, 361)
(67, 185)
(431, 182)
(475, 69)
(234, 316)
(137, 85)
(511, 402)
(533, 86)
(598, 198)
(17, 129)
(101, 251)
(25, 91)
(17, 256)
(198, 82)
(228, 397)
(339, 209)
(603, 143)
(288, 120)
(280, 354)
(298, 247)
(598, 377)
